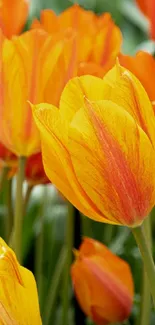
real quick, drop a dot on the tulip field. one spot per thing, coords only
(77, 162)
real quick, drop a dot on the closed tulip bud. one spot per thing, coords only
(34, 171)
(13, 16)
(18, 292)
(97, 46)
(102, 160)
(102, 282)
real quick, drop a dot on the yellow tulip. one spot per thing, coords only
(18, 292)
(98, 147)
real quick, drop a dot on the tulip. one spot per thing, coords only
(18, 292)
(148, 9)
(34, 172)
(97, 46)
(13, 16)
(26, 73)
(143, 67)
(102, 282)
(102, 160)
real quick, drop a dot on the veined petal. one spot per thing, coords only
(55, 153)
(74, 94)
(122, 87)
(48, 21)
(107, 43)
(28, 69)
(113, 164)
(142, 65)
(18, 292)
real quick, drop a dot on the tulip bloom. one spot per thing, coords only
(27, 71)
(18, 292)
(148, 9)
(98, 147)
(143, 67)
(97, 46)
(34, 171)
(102, 282)
(13, 16)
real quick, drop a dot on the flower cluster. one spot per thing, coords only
(76, 112)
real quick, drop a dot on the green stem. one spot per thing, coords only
(39, 247)
(145, 309)
(27, 197)
(3, 176)
(108, 234)
(54, 288)
(18, 217)
(139, 234)
(9, 219)
(69, 247)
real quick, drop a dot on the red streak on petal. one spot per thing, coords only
(137, 105)
(132, 202)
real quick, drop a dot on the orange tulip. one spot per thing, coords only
(34, 172)
(102, 282)
(97, 46)
(18, 292)
(143, 66)
(13, 16)
(27, 72)
(148, 9)
(104, 170)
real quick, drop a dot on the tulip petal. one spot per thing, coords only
(113, 164)
(109, 35)
(122, 87)
(17, 286)
(75, 92)
(55, 153)
(13, 16)
(143, 66)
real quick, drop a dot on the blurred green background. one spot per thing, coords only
(45, 219)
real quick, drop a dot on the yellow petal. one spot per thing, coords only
(122, 87)
(57, 163)
(75, 92)
(18, 292)
(113, 158)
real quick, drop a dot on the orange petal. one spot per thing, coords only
(148, 8)
(13, 16)
(107, 43)
(142, 65)
(113, 168)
